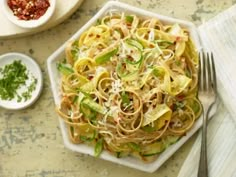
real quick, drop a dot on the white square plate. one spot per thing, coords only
(55, 85)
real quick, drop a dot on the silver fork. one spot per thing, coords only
(207, 94)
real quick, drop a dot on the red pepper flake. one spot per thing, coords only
(91, 35)
(90, 77)
(28, 9)
(117, 120)
(180, 97)
(178, 38)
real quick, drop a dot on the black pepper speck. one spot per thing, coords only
(31, 51)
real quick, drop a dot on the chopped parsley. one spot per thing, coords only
(14, 78)
(129, 18)
(27, 94)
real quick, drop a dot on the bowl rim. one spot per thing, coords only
(53, 75)
(33, 67)
(28, 23)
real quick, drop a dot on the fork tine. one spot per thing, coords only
(200, 70)
(204, 68)
(214, 83)
(209, 73)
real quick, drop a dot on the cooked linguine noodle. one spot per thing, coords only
(129, 86)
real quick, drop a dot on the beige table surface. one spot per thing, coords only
(30, 140)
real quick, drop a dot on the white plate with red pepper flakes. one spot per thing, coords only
(28, 13)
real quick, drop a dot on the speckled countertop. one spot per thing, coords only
(30, 140)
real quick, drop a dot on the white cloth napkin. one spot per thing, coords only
(219, 36)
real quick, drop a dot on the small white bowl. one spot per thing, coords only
(28, 23)
(33, 69)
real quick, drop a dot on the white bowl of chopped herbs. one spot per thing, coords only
(20, 81)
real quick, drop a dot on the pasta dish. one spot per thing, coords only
(129, 86)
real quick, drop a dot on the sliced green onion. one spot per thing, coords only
(118, 154)
(75, 50)
(170, 139)
(188, 74)
(72, 130)
(88, 112)
(93, 106)
(87, 88)
(157, 72)
(98, 147)
(134, 146)
(129, 18)
(84, 93)
(126, 74)
(163, 44)
(64, 69)
(195, 107)
(149, 128)
(105, 57)
(98, 22)
(135, 43)
(178, 62)
(153, 149)
(137, 51)
(75, 99)
(125, 98)
(88, 139)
